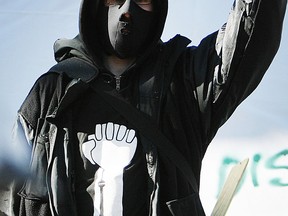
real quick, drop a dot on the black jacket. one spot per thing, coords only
(189, 92)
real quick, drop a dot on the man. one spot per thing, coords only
(90, 154)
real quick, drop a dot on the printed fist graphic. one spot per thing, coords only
(112, 147)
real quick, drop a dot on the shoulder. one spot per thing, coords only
(177, 43)
(44, 94)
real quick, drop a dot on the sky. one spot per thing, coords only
(258, 129)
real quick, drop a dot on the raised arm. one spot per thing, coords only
(247, 45)
(229, 64)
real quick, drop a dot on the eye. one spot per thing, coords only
(120, 2)
(113, 2)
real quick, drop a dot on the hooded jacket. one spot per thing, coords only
(188, 91)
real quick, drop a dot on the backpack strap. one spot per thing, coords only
(76, 68)
(144, 124)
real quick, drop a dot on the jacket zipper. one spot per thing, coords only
(118, 83)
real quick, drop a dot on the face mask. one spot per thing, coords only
(128, 27)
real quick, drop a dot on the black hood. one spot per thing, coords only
(89, 31)
(87, 44)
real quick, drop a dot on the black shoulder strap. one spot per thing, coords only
(76, 68)
(142, 122)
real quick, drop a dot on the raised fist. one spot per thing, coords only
(112, 147)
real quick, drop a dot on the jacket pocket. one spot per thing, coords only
(34, 193)
(35, 187)
(188, 206)
(32, 207)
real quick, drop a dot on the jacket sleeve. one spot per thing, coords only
(20, 154)
(34, 107)
(228, 65)
(15, 167)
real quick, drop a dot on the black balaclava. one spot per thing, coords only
(125, 29)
